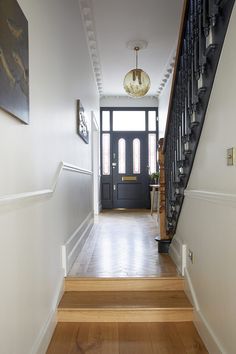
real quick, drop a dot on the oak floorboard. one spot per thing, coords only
(165, 340)
(134, 339)
(123, 244)
(126, 338)
(190, 338)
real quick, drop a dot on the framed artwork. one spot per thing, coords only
(14, 60)
(82, 128)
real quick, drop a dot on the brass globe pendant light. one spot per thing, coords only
(136, 82)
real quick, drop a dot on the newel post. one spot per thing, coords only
(163, 239)
(162, 196)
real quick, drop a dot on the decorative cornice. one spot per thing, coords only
(90, 32)
(127, 97)
(167, 72)
(86, 9)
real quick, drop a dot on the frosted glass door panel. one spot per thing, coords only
(106, 154)
(122, 156)
(152, 153)
(136, 156)
(152, 121)
(105, 120)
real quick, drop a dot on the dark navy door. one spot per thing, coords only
(130, 176)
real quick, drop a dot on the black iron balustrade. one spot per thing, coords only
(203, 31)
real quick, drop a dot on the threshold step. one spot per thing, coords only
(125, 306)
(124, 284)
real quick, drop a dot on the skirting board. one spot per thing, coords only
(177, 252)
(43, 339)
(70, 250)
(205, 331)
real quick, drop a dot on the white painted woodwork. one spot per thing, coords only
(5, 199)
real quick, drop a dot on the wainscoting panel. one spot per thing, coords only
(36, 225)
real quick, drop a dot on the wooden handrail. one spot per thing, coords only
(178, 50)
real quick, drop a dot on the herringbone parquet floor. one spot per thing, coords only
(122, 245)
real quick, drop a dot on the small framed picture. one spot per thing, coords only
(82, 127)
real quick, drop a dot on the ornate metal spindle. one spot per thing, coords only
(201, 29)
(213, 12)
(205, 17)
(196, 41)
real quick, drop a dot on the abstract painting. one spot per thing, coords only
(82, 128)
(14, 61)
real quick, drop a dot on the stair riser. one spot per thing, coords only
(124, 285)
(163, 315)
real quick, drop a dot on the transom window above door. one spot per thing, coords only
(129, 121)
(139, 120)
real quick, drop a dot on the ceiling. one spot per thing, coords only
(110, 24)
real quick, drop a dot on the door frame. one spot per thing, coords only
(107, 180)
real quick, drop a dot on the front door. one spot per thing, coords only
(128, 156)
(130, 177)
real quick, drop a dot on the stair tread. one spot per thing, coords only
(73, 300)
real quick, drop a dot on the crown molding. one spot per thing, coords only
(167, 71)
(127, 97)
(86, 9)
(90, 32)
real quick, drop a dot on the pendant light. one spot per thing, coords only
(136, 81)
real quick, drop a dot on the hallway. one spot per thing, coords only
(122, 296)
(122, 245)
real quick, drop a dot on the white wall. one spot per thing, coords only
(33, 230)
(126, 101)
(208, 219)
(163, 106)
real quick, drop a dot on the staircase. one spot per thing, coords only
(125, 316)
(124, 300)
(203, 29)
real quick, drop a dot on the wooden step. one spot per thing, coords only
(126, 338)
(124, 284)
(125, 306)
